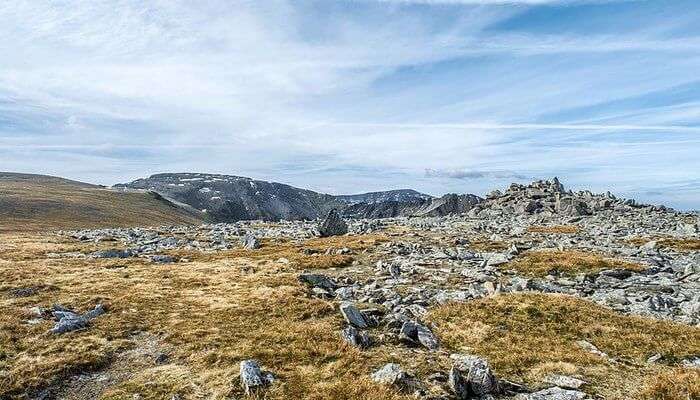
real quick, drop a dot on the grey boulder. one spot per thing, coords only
(253, 378)
(250, 242)
(471, 376)
(69, 321)
(332, 225)
(353, 316)
(553, 393)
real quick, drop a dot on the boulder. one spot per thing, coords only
(253, 378)
(414, 333)
(392, 375)
(353, 316)
(250, 242)
(554, 393)
(563, 381)
(69, 321)
(332, 225)
(355, 337)
(471, 376)
(318, 280)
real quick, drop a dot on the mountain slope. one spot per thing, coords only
(400, 196)
(38, 202)
(225, 198)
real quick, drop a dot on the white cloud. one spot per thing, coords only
(118, 89)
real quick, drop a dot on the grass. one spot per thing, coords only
(681, 384)
(528, 336)
(563, 229)
(568, 262)
(212, 312)
(678, 244)
(31, 203)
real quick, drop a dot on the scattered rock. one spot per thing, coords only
(318, 280)
(253, 378)
(471, 376)
(554, 393)
(563, 381)
(332, 225)
(163, 259)
(250, 242)
(69, 321)
(414, 333)
(391, 374)
(355, 337)
(353, 316)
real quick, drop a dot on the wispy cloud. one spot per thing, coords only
(472, 174)
(318, 90)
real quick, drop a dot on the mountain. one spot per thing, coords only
(226, 198)
(39, 202)
(400, 196)
(448, 204)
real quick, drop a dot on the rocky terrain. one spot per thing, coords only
(534, 293)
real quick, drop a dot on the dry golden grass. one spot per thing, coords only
(565, 229)
(487, 245)
(568, 262)
(527, 336)
(38, 203)
(678, 244)
(681, 384)
(211, 312)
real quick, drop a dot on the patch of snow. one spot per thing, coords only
(204, 190)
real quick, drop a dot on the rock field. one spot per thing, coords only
(646, 263)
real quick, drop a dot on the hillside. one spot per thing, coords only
(401, 196)
(226, 198)
(37, 202)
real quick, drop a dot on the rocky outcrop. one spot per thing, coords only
(551, 198)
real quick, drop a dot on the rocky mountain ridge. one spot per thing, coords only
(227, 198)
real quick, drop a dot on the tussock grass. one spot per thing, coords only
(677, 384)
(210, 312)
(564, 229)
(678, 244)
(527, 336)
(568, 262)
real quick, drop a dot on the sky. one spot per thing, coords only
(349, 96)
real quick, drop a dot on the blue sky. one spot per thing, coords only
(358, 95)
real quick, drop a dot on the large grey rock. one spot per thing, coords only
(253, 378)
(69, 321)
(554, 393)
(563, 381)
(415, 333)
(113, 253)
(355, 337)
(353, 316)
(332, 225)
(318, 280)
(392, 375)
(250, 242)
(471, 376)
